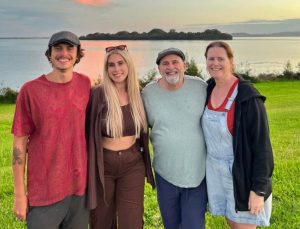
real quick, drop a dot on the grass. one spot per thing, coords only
(283, 107)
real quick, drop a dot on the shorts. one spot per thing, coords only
(221, 196)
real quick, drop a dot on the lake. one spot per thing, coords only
(23, 59)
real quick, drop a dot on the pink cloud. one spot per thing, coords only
(93, 2)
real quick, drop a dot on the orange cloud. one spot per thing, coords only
(93, 2)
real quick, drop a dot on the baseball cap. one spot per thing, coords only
(169, 51)
(64, 37)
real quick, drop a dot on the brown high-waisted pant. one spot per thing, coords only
(124, 173)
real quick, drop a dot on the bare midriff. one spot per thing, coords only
(116, 144)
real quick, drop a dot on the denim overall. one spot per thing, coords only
(219, 163)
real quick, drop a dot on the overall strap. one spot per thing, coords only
(231, 98)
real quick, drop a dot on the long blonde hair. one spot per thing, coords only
(114, 117)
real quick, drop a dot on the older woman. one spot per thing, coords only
(239, 162)
(118, 146)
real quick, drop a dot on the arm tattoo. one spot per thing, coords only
(16, 156)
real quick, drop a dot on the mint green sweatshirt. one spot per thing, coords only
(176, 132)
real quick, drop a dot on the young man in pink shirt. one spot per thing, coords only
(49, 137)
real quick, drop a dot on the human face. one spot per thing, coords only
(117, 68)
(172, 69)
(218, 64)
(63, 56)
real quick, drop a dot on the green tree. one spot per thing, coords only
(192, 69)
(244, 71)
(122, 33)
(157, 31)
(297, 74)
(8, 95)
(298, 67)
(288, 71)
(150, 76)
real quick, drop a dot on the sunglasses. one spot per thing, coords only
(119, 47)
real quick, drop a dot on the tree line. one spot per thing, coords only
(159, 34)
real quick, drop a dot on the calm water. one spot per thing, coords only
(23, 59)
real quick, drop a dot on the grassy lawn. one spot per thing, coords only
(283, 107)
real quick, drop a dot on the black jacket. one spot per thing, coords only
(253, 157)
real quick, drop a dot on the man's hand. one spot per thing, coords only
(20, 206)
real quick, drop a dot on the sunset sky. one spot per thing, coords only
(29, 18)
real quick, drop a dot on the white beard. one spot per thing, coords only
(173, 79)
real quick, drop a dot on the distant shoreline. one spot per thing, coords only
(234, 36)
(3, 38)
(282, 34)
(159, 34)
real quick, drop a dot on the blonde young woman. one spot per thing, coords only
(118, 146)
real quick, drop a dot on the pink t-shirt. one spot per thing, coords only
(53, 116)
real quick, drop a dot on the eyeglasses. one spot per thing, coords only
(119, 47)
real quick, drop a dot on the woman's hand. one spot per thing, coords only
(256, 203)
